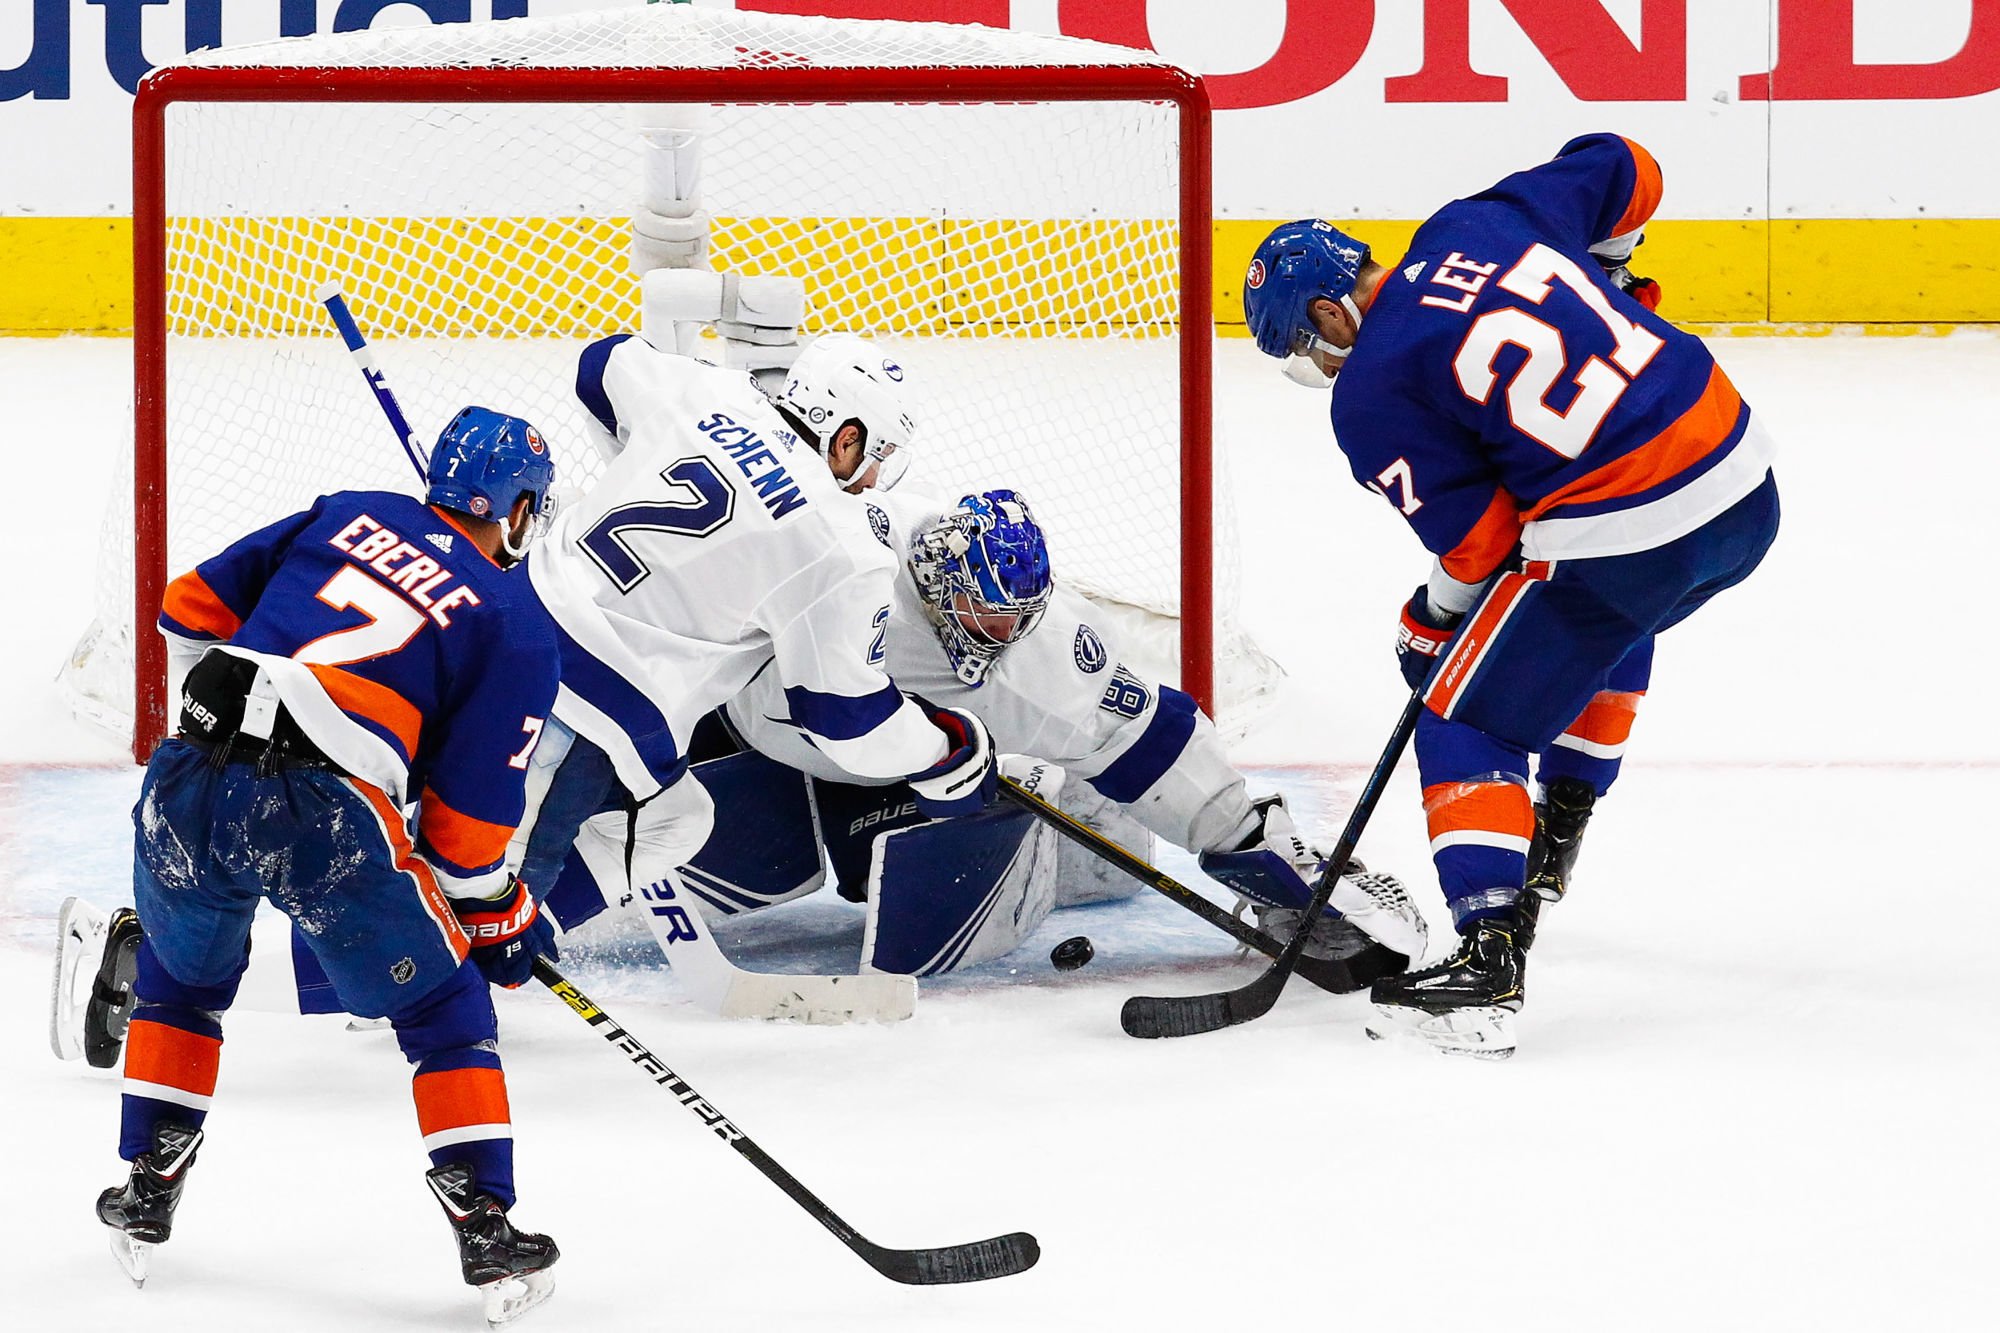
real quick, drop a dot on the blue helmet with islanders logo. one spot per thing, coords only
(1297, 263)
(484, 462)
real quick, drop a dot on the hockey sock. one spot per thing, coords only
(172, 1053)
(1480, 815)
(459, 1088)
(1592, 747)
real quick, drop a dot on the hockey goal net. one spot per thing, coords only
(1024, 219)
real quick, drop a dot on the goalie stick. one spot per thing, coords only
(1185, 1015)
(974, 1261)
(1340, 976)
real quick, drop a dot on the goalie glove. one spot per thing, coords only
(1422, 634)
(507, 933)
(965, 779)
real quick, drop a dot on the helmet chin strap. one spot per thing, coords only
(1303, 370)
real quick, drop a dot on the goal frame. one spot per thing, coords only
(169, 85)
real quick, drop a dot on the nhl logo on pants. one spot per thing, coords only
(401, 971)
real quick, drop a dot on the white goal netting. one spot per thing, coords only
(1022, 257)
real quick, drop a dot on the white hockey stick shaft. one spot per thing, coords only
(721, 987)
(335, 300)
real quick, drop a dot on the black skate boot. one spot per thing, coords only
(510, 1267)
(141, 1214)
(108, 1015)
(1559, 820)
(1466, 1004)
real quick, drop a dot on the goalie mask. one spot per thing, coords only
(484, 462)
(983, 571)
(844, 379)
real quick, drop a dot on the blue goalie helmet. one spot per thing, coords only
(1297, 263)
(484, 462)
(983, 570)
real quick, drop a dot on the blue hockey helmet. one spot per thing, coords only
(487, 460)
(1298, 263)
(983, 570)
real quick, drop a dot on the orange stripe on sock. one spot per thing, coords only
(172, 1057)
(1607, 719)
(452, 1098)
(1485, 807)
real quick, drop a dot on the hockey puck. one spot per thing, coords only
(1072, 953)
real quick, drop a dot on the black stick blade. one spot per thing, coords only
(975, 1261)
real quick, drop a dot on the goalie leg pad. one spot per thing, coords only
(850, 817)
(764, 849)
(956, 892)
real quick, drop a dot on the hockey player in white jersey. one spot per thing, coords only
(979, 623)
(719, 543)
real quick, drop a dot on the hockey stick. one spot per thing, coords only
(975, 1261)
(1340, 976)
(1185, 1015)
(335, 302)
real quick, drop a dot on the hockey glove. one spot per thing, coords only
(964, 780)
(1643, 290)
(507, 934)
(1422, 635)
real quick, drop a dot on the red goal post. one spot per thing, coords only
(175, 86)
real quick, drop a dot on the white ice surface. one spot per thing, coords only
(1756, 1086)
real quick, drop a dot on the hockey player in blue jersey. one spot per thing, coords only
(368, 678)
(1584, 474)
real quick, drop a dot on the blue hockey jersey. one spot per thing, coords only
(413, 660)
(1502, 391)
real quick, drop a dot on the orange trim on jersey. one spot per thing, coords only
(465, 532)
(1473, 641)
(454, 1098)
(1483, 807)
(463, 840)
(1646, 192)
(1607, 719)
(407, 861)
(172, 1057)
(376, 702)
(191, 602)
(1693, 436)
(1492, 538)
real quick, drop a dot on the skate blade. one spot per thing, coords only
(511, 1297)
(1480, 1032)
(80, 932)
(134, 1256)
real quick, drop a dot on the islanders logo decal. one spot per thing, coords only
(535, 441)
(1256, 278)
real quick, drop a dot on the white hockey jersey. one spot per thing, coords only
(716, 543)
(1060, 694)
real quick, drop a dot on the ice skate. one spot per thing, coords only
(508, 1266)
(1560, 817)
(141, 1212)
(1466, 1004)
(90, 1018)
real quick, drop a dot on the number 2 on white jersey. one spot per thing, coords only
(1600, 384)
(392, 622)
